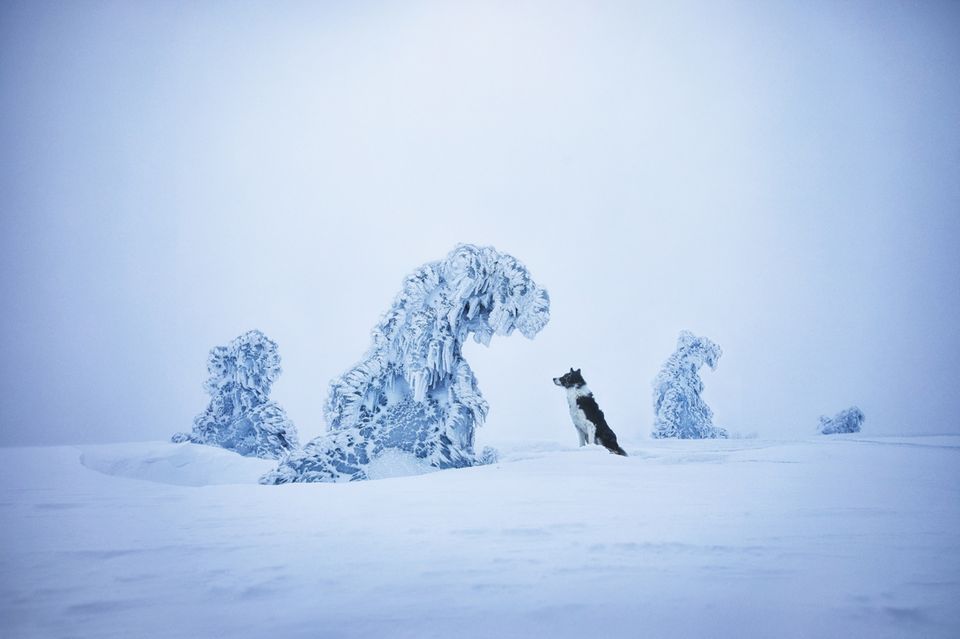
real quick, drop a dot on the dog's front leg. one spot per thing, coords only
(582, 436)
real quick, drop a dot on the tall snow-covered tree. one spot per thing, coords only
(677, 403)
(241, 416)
(413, 391)
(846, 421)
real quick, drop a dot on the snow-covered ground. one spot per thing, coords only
(834, 536)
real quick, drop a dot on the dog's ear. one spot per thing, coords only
(571, 369)
(576, 371)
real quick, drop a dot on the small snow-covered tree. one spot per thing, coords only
(241, 417)
(846, 421)
(413, 391)
(678, 407)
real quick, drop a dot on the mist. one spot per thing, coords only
(780, 178)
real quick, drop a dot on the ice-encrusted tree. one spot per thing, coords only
(241, 416)
(846, 421)
(677, 403)
(413, 391)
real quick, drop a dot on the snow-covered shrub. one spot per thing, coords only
(413, 391)
(241, 417)
(679, 409)
(846, 421)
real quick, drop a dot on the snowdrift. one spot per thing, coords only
(183, 464)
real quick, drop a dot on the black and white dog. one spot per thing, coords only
(587, 417)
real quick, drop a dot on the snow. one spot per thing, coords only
(394, 462)
(840, 535)
(179, 464)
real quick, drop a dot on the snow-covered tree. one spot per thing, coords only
(678, 407)
(241, 417)
(413, 391)
(846, 421)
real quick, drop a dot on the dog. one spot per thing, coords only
(587, 417)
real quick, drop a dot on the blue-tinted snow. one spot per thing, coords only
(684, 538)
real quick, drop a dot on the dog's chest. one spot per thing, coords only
(580, 419)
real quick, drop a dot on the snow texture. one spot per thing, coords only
(413, 390)
(677, 403)
(241, 417)
(685, 538)
(180, 464)
(846, 421)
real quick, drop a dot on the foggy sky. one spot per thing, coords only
(780, 177)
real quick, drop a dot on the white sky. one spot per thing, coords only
(781, 178)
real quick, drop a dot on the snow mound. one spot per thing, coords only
(179, 464)
(397, 463)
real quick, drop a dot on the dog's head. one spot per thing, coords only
(573, 379)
